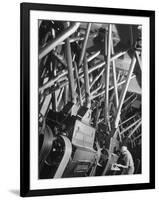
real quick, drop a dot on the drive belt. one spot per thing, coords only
(65, 158)
(47, 144)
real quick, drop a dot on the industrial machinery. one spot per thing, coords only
(89, 97)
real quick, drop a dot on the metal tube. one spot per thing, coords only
(60, 58)
(78, 38)
(129, 98)
(54, 99)
(70, 68)
(60, 97)
(111, 88)
(132, 65)
(133, 124)
(107, 71)
(66, 94)
(127, 120)
(133, 131)
(98, 88)
(101, 64)
(126, 107)
(118, 55)
(78, 83)
(137, 137)
(86, 82)
(74, 39)
(52, 81)
(46, 104)
(98, 66)
(91, 57)
(118, 76)
(60, 38)
(64, 73)
(114, 79)
(97, 77)
(84, 44)
(59, 86)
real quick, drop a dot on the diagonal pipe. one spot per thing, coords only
(60, 38)
(124, 91)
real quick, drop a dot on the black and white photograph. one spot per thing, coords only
(87, 99)
(90, 91)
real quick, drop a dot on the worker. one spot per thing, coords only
(126, 160)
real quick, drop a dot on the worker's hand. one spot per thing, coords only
(117, 165)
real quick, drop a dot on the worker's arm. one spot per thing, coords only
(122, 166)
(127, 160)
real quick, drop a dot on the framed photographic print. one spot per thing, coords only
(87, 99)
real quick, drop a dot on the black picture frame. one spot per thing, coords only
(25, 9)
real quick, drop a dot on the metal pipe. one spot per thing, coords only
(60, 58)
(111, 88)
(56, 88)
(133, 124)
(118, 76)
(45, 105)
(86, 82)
(60, 97)
(91, 57)
(127, 120)
(98, 88)
(52, 81)
(84, 44)
(114, 57)
(133, 131)
(132, 65)
(70, 68)
(64, 73)
(137, 137)
(128, 98)
(78, 38)
(78, 83)
(102, 63)
(97, 77)
(107, 71)
(126, 107)
(54, 95)
(60, 38)
(66, 94)
(98, 66)
(114, 79)
(74, 39)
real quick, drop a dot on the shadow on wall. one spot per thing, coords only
(15, 192)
